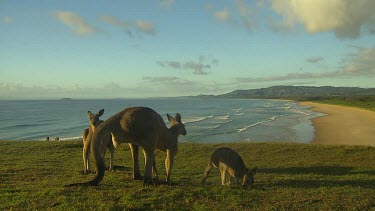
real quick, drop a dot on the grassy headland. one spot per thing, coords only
(290, 177)
(364, 102)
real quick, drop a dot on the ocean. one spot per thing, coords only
(207, 120)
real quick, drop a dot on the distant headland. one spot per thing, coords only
(301, 92)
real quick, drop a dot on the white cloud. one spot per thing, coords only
(145, 27)
(115, 22)
(244, 14)
(247, 14)
(361, 63)
(199, 67)
(163, 79)
(75, 22)
(346, 18)
(223, 15)
(166, 3)
(140, 26)
(7, 20)
(315, 59)
(118, 23)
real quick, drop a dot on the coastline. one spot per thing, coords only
(342, 125)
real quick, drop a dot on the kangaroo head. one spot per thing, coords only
(248, 178)
(94, 118)
(176, 125)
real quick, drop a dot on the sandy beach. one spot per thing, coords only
(343, 125)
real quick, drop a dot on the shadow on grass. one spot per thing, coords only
(370, 184)
(318, 170)
(324, 171)
(122, 168)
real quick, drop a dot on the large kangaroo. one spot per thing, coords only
(229, 161)
(94, 123)
(87, 134)
(140, 126)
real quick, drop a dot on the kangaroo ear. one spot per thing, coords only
(90, 114)
(100, 113)
(178, 118)
(170, 118)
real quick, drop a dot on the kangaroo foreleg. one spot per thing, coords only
(169, 160)
(86, 158)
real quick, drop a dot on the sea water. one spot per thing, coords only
(207, 120)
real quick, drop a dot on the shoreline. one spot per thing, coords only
(342, 125)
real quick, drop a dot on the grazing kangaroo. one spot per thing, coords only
(141, 126)
(229, 161)
(87, 134)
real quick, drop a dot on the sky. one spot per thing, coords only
(91, 49)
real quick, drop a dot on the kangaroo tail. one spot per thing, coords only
(98, 160)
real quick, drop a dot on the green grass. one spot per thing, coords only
(290, 177)
(364, 102)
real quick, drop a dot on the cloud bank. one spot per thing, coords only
(346, 18)
(180, 85)
(358, 64)
(140, 26)
(80, 27)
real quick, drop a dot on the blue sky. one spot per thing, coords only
(127, 49)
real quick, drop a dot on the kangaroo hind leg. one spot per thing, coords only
(223, 171)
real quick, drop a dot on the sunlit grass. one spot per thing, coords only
(290, 177)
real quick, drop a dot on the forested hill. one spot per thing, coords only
(300, 92)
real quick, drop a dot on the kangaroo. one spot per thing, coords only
(94, 123)
(229, 161)
(170, 145)
(87, 134)
(141, 126)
